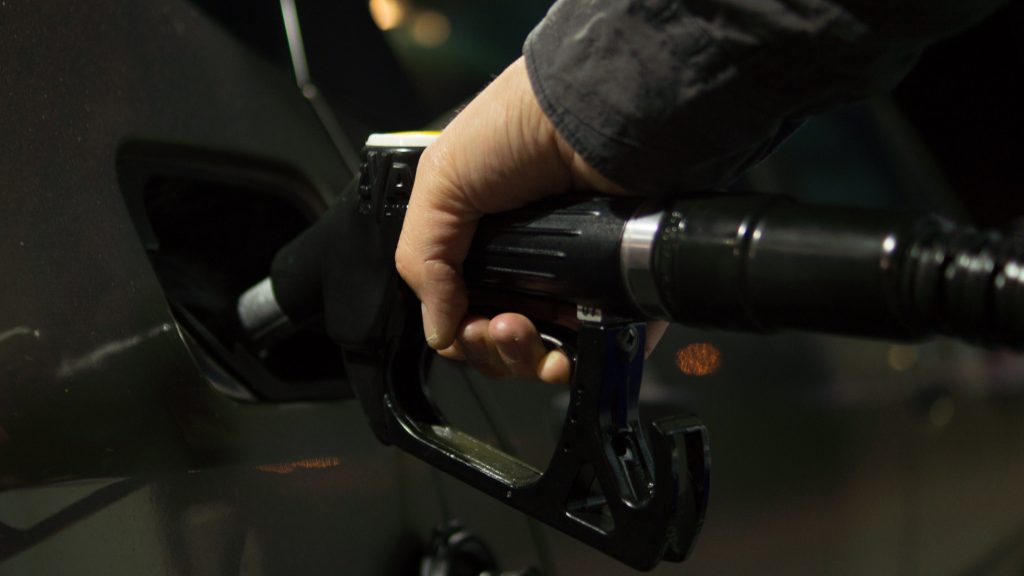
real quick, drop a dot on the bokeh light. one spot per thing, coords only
(698, 359)
(430, 28)
(387, 14)
(902, 358)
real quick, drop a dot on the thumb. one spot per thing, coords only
(442, 295)
(435, 239)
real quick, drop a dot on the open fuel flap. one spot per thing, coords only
(211, 223)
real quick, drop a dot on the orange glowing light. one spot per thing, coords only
(319, 463)
(431, 29)
(698, 359)
(387, 14)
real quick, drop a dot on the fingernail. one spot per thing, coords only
(429, 329)
(550, 366)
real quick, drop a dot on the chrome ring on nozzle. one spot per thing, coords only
(635, 255)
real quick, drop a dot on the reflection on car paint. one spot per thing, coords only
(19, 331)
(94, 359)
(318, 463)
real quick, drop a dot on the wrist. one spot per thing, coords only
(546, 135)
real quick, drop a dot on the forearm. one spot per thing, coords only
(688, 94)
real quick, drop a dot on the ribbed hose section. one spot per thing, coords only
(967, 283)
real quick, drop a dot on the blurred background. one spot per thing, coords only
(123, 452)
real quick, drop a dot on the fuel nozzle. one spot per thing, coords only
(740, 262)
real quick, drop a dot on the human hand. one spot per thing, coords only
(500, 153)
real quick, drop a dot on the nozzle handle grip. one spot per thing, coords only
(564, 249)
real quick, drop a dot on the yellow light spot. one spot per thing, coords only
(902, 358)
(320, 463)
(698, 359)
(431, 28)
(387, 14)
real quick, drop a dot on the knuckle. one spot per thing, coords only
(437, 270)
(405, 264)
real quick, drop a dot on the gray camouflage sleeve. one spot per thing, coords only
(662, 94)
